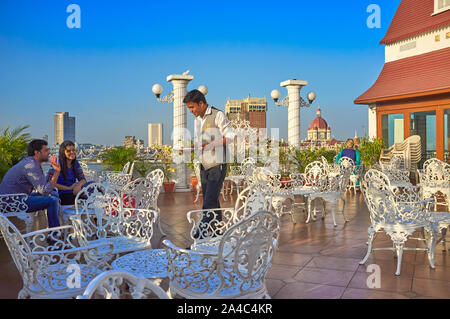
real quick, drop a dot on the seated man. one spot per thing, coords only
(27, 175)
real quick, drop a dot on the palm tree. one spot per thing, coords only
(13, 146)
(115, 158)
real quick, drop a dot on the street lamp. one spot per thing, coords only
(294, 102)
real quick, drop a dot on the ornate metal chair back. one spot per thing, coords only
(19, 249)
(255, 197)
(247, 248)
(98, 212)
(156, 177)
(140, 193)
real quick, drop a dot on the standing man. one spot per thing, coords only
(212, 134)
(27, 175)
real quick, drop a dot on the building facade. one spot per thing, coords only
(64, 127)
(252, 109)
(155, 134)
(129, 141)
(319, 130)
(412, 93)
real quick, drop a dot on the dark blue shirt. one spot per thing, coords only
(74, 174)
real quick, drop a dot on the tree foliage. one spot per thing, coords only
(115, 158)
(13, 146)
(302, 158)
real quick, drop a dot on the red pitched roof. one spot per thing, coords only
(414, 17)
(418, 74)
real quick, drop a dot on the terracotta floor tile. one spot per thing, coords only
(389, 267)
(426, 272)
(273, 286)
(431, 288)
(293, 259)
(354, 293)
(388, 282)
(328, 262)
(325, 276)
(282, 272)
(303, 290)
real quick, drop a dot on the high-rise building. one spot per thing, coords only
(64, 127)
(129, 141)
(155, 135)
(252, 109)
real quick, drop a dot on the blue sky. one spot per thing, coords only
(103, 73)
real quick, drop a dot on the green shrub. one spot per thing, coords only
(13, 146)
(370, 149)
(115, 158)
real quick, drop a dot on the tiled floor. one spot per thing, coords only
(315, 260)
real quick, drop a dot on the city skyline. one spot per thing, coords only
(103, 73)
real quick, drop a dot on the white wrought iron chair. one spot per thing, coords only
(237, 270)
(122, 285)
(435, 178)
(206, 235)
(89, 174)
(101, 218)
(60, 270)
(116, 179)
(310, 182)
(13, 205)
(331, 191)
(280, 192)
(397, 212)
(143, 193)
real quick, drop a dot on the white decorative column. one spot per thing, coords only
(180, 83)
(372, 121)
(293, 87)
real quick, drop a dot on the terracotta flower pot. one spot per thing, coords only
(169, 187)
(284, 179)
(194, 182)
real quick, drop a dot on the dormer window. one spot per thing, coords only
(441, 6)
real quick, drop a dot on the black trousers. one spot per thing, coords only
(212, 182)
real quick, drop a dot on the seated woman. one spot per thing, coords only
(71, 179)
(350, 152)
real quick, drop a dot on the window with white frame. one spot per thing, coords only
(441, 6)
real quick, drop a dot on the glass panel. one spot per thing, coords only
(424, 125)
(446, 133)
(392, 128)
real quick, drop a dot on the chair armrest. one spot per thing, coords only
(174, 252)
(207, 230)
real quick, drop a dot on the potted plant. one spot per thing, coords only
(164, 156)
(370, 149)
(193, 178)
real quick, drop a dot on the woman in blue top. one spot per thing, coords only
(71, 179)
(349, 151)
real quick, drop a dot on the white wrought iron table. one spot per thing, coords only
(149, 263)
